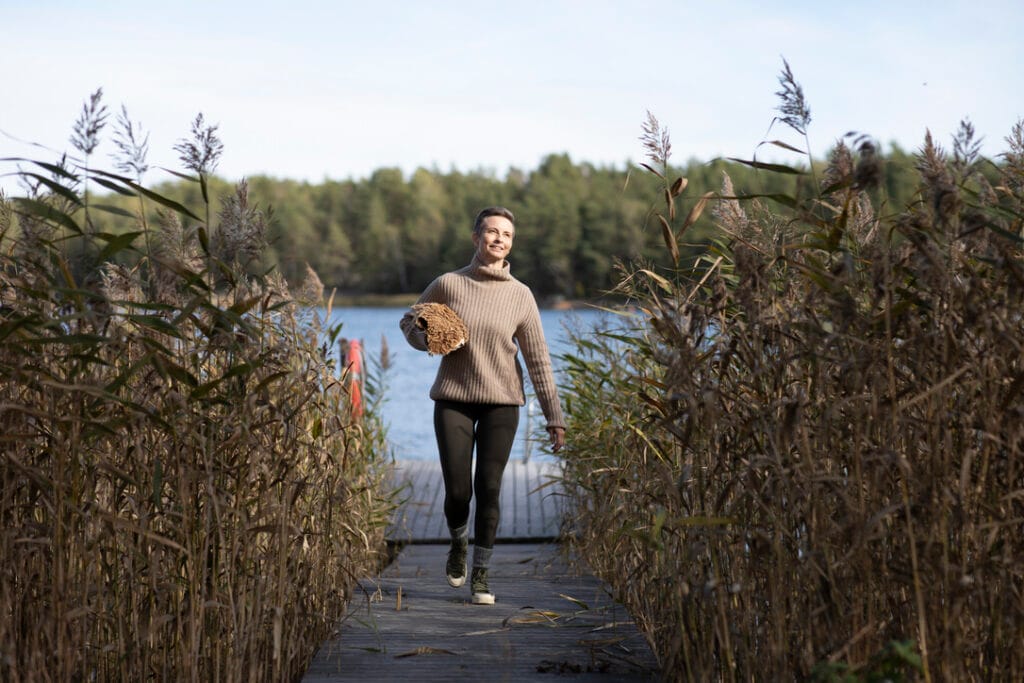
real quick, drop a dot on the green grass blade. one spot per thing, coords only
(38, 209)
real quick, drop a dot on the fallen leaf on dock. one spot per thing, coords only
(424, 650)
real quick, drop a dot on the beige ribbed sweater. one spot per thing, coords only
(499, 311)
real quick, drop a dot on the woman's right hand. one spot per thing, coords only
(557, 435)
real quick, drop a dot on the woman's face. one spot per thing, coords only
(494, 241)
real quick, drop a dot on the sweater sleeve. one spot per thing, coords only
(416, 337)
(530, 335)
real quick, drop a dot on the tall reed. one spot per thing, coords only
(805, 457)
(185, 493)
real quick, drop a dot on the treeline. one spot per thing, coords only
(391, 233)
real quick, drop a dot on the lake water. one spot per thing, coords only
(408, 410)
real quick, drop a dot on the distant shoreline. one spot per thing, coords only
(405, 300)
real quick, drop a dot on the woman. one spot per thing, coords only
(479, 389)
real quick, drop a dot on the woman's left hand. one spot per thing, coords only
(557, 435)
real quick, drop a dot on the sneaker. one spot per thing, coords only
(455, 569)
(482, 595)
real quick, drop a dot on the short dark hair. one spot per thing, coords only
(492, 211)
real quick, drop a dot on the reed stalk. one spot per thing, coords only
(185, 493)
(803, 459)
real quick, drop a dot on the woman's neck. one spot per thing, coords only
(499, 271)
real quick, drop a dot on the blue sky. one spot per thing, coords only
(313, 90)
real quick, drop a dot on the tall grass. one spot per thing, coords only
(805, 457)
(185, 493)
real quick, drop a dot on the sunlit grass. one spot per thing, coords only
(804, 458)
(185, 494)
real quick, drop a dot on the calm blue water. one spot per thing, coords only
(408, 410)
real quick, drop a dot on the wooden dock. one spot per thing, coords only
(531, 499)
(409, 625)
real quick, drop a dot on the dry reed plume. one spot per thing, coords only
(443, 329)
(805, 458)
(184, 492)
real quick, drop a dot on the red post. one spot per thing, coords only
(354, 361)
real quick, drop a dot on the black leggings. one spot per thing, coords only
(492, 428)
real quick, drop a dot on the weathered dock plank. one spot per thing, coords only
(409, 625)
(530, 502)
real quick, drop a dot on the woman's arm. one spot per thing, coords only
(530, 335)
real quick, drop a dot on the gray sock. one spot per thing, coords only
(481, 557)
(461, 534)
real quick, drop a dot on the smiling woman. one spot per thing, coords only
(493, 236)
(479, 388)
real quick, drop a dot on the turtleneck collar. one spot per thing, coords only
(499, 272)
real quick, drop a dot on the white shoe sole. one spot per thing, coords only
(483, 598)
(457, 582)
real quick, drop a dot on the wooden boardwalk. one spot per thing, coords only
(531, 499)
(409, 625)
